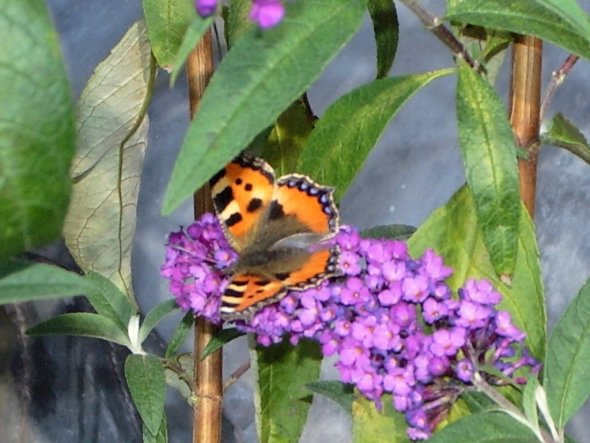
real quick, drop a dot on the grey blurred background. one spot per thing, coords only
(67, 389)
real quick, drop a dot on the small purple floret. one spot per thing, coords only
(267, 13)
(205, 7)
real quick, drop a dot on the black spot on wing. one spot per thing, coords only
(276, 211)
(282, 275)
(248, 187)
(254, 205)
(233, 219)
(262, 282)
(237, 282)
(223, 198)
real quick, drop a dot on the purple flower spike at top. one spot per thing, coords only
(205, 7)
(267, 13)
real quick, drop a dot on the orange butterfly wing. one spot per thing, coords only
(241, 193)
(310, 203)
(246, 293)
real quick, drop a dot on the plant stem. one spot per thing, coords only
(557, 78)
(435, 26)
(209, 395)
(525, 102)
(506, 406)
(236, 375)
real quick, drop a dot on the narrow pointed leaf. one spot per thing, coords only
(219, 339)
(147, 386)
(287, 138)
(83, 324)
(167, 22)
(453, 232)
(562, 133)
(341, 393)
(561, 22)
(349, 129)
(261, 75)
(192, 35)
(160, 437)
(156, 315)
(566, 378)
(112, 126)
(180, 334)
(370, 425)
(37, 133)
(281, 372)
(108, 300)
(393, 232)
(489, 156)
(40, 282)
(529, 402)
(386, 29)
(487, 427)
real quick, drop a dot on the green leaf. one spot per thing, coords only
(180, 334)
(182, 376)
(147, 386)
(477, 401)
(193, 34)
(341, 393)
(160, 437)
(11, 266)
(487, 427)
(561, 22)
(282, 402)
(350, 127)
(561, 132)
(371, 426)
(167, 21)
(261, 75)
(155, 316)
(529, 402)
(566, 378)
(393, 232)
(37, 134)
(83, 324)
(452, 231)
(386, 29)
(109, 301)
(487, 46)
(219, 339)
(237, 23)
(489, 156)
(112, 126)
(40, 282)
(287, 138)
(494, 53)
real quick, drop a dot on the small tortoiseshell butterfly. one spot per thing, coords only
(279, 229)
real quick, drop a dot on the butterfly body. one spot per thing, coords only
(278, 227)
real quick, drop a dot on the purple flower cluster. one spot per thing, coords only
(391, 320)
(194, 263)
(266, 13)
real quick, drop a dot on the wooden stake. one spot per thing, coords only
(208, 382)
(525, 103)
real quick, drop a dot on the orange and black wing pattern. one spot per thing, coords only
(241, 193)
(247, 293)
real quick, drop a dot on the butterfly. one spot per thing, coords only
(279, 229)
